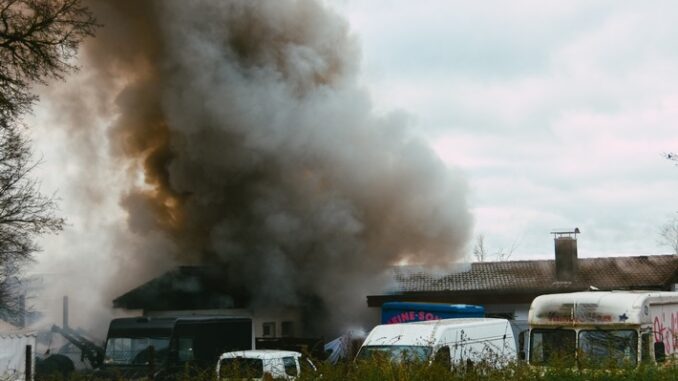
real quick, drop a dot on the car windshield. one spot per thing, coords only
(241, 367)
(396, 353)
(136, 350)
(552, 347)
(608, 348)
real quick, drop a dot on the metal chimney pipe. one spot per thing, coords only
(65, 311)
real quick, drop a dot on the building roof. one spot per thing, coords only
(537, 277)
(184, 288)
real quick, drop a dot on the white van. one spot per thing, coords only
(262, 364)
(451, 341)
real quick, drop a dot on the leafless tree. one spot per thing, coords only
(38, 42)
(479, 250)
(481, 253)
(504, 254)
(24, 214)
(668, 234)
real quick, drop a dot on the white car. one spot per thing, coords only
(262, 364)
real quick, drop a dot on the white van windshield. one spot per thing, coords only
(552, 347)
(608, 347)
(396, 352)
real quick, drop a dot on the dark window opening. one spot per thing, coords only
(287, 329)
(269, 329)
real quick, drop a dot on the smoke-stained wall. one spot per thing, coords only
(246, 142)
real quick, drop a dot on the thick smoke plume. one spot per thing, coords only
(248, 143)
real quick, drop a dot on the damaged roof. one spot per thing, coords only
(495, 280)
(184, 288)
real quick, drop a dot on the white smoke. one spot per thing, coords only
(236, 134)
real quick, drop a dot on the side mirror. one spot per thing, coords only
(659, 352)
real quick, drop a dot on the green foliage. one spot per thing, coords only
(381, 370)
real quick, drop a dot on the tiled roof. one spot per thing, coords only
(639, 272)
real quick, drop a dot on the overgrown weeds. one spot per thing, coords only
(381, 370)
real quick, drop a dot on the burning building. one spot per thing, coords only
(240, 139)
(203, 291)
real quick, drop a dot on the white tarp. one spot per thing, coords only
(13, 354)
(343, 347)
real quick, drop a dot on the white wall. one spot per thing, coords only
(13, 356)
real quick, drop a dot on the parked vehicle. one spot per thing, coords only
(404, 312)
(262, 364)
(160, 347)
(597, 328)
(454, 342)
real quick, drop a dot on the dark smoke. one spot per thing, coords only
(248, 142)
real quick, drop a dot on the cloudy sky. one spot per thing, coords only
(557, 113)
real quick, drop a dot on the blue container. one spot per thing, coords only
(404, 312)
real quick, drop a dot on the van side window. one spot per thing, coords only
(185, 349)
(443, 357)
(290, 366)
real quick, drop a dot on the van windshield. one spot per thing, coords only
(552, 347)
(396, 353)
(608, 348)
(136, 350)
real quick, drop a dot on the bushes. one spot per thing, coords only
(382, 370)
(386, 371)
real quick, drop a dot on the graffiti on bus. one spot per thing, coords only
(666, 330)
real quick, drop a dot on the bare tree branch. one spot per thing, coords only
(38, 41)
(668, 234)
(479, 250)
(24, 213)
(481, 253)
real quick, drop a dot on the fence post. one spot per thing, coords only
(151, 362)
(29, 363)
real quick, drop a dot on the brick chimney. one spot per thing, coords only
(566, 255)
